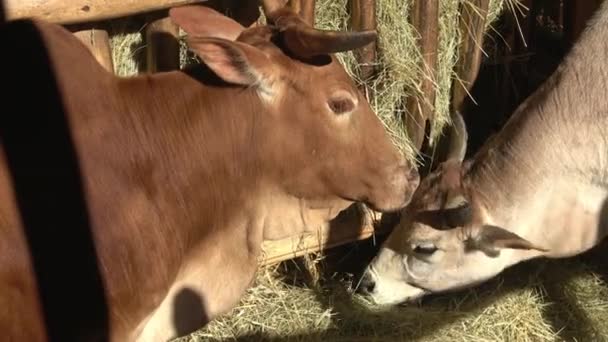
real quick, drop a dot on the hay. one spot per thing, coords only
(538, 301)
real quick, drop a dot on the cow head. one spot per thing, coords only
(324, 141)
(444, 241)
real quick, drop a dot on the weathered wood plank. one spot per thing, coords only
(79, 11)
(98, 43)
(162, 49)
(353, 226)
(363, 17)
(305, 8)
(472, 24)
(307, 11)
(425, 19)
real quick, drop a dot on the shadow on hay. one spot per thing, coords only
(568, 316)
(354, 321)
(565, 313)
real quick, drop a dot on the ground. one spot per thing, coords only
(540, 300)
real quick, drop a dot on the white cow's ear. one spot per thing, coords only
(491, 239)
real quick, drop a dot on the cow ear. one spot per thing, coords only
(234, 62)
(202, 21)
(491, 239)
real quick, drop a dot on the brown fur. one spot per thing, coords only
(184, 176)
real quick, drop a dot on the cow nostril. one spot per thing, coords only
(369, 287)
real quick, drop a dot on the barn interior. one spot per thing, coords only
(309, 296)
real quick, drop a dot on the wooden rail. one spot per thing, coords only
(425, 19)
(79, 11)
(351, 225)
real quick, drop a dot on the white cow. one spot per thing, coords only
(538, 188)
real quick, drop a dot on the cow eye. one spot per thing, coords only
(341, 104)
(424, 249)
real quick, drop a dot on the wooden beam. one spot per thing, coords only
(79, 11)
(98, 43)
(425, 19)
(305, 8)
(363, 17)
(472, 25)
(307, 11)
(353, 225)
(162, 46)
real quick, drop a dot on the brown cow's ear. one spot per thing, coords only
(234, 62)
(491, 239)
(201, 21)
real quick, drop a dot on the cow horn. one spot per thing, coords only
(304, 41)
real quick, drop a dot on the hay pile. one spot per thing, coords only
(537, 301)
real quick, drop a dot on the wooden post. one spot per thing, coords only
(363, 17)
(98, 43)
(307, 11)
(425, 19)
(162, 45)
(305, 8)
(472, 27)
(79, 11)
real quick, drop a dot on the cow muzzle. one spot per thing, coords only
(384, 290)
(397, 191)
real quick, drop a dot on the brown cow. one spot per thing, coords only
(539, 188)
(186, 172)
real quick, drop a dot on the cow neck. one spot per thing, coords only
(206, 140)
(544, 175)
